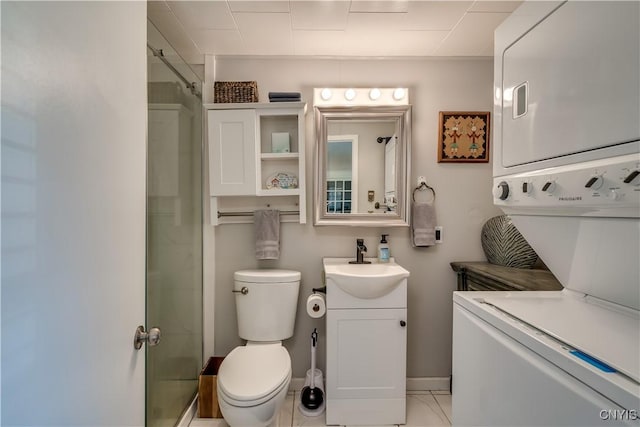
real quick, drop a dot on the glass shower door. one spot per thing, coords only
(174, 234)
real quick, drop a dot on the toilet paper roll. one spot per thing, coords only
(316, 306)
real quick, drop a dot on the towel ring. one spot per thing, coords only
(424, 186)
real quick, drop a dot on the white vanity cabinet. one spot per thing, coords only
(366, 358)
(256, 153)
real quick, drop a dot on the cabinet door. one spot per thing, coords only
(366, 353)
(232, 152)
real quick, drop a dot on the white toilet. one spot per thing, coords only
(253, 379)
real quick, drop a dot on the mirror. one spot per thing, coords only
(362, 165)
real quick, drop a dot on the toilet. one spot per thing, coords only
(253, 379)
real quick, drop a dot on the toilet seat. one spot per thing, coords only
(253, 374)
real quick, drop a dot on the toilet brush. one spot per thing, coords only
(312, 397)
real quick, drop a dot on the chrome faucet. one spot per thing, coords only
(360, 250)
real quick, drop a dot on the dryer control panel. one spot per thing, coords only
(606, 187)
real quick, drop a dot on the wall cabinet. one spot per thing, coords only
(256, 150)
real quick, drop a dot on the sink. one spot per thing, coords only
(364, 280)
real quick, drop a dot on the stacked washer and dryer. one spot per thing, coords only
(566, 169)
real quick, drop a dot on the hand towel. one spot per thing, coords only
(267, 230)
(423, 223)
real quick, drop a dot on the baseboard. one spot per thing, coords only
(413, 384)
(189, 413)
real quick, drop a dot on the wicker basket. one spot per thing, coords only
(226, 92)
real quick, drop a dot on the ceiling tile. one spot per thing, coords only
(380, 6)
(373, 22)
(393, 43)
(473, 36)
(319, 15)
(219, 42)
(199, 15)
(324, 43)
(494, 6)
(264, 6)
(266, 33)
(435, 15)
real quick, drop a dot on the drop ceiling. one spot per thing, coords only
(329, 28)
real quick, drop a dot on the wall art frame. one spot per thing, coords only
(463, 136)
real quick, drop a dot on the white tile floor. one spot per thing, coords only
(424, 409)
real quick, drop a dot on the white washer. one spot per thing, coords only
(521, 359)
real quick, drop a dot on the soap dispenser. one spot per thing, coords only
(383, 249)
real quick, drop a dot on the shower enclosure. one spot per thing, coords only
(174, 232)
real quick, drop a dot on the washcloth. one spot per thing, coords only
(423, 223)
(267, 230)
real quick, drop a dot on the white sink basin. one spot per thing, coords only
(364, 280)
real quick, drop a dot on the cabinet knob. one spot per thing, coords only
(403, 323)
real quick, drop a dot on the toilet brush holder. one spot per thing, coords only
(318, 383)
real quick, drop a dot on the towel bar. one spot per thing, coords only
(250, 213)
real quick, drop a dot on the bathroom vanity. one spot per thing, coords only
(366, 342)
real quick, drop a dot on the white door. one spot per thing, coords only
(73, 212)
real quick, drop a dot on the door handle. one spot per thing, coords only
(152, 337)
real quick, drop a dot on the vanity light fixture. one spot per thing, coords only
(356, 97)
(398, 94)
(349, 94)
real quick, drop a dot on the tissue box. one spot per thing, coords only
(280, 142)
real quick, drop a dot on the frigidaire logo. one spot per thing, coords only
(570, 199)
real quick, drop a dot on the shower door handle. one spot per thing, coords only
(152, 337)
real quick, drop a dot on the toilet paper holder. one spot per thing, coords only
(322, 290)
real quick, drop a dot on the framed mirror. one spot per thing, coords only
(362, 165)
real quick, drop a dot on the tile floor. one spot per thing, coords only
(424, 409)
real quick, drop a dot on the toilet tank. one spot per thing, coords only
(267, 309)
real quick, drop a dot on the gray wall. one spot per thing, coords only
(463, 202)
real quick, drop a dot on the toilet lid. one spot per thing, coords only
(267, 276)
(252, 372)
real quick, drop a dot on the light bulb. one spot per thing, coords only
(374, 94)
(326, 94)
(398, 94)
(349, 94)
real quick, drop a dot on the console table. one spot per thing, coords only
(483, 276)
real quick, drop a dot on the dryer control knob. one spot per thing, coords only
(614, 195)
(549, 187)
(632, 178)
(594, 183)
(501, 191)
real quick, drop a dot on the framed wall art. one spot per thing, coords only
(463, 137)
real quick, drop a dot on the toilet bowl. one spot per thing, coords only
(253, 383)
(253, 379)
